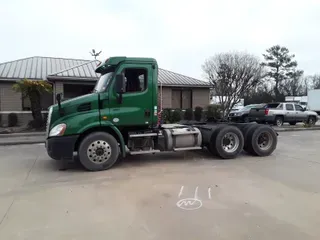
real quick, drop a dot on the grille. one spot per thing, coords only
(84, 107)
(48, 121)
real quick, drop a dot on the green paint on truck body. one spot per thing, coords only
(101, 108)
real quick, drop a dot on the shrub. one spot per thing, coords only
(12, 120)
(166, 115)
(188, 114)
(213, 112)
(176, 116)
(198, 113)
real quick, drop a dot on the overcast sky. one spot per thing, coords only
(179, 34)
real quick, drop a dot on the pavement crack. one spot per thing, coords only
(7, 212)
(34, 163)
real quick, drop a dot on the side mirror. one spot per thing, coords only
(58, 97)
(120, 83)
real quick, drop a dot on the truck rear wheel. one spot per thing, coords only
(98, 151)
(227, 142)
(262, 141)
(312, 120)
(278, 121)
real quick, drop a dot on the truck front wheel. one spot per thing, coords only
(98, 151)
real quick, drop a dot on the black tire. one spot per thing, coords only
(312, 121)
(278, 121)
(245, 133)
(293, 123)
(100, 140)
(255, 147)
(216, 145)
(209, 146)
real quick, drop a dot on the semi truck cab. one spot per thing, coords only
(121, 115)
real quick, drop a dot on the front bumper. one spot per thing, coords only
(235, 118)
(60, 148)
(263, 119)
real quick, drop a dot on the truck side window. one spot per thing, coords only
(298, 107)
(135, 80)
(289, 107)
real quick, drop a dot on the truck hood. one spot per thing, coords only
(71, 105)
(311, 112)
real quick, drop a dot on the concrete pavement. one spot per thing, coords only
(276, 197)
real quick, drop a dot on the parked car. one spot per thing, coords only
(279, 113)
(241, 115)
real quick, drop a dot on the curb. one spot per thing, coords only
(20, 143)
(297, 129)
(31, 134)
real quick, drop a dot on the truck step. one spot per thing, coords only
(186, 148)
(184, 133)
(144, 152)
(143, 135)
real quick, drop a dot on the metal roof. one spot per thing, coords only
(77, 69)
(35, 67)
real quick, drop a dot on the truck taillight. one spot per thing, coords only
(266, 111)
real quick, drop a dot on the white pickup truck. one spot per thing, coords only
(278, 113)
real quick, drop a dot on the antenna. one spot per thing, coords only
(95, 54)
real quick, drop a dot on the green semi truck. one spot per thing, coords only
(120, 117)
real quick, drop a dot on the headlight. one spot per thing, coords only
(58, 130)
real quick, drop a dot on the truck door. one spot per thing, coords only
(290, 113)
(136, 108)
(301, 115)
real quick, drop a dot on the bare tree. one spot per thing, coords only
(315, 81)
(232, 75)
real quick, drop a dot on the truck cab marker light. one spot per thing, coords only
(104, 118)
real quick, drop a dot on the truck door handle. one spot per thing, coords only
(147, 113)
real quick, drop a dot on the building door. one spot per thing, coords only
(181, 98)
(186, 99)
(176, 99)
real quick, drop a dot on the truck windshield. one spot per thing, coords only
(103, 82)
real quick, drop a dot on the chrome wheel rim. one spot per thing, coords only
(311, 121)
(265, 141)
(99, 152)
(279, 122)
(230, 142)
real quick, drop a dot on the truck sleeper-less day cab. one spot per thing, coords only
(120, 117)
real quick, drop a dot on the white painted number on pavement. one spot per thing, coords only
(191, 203)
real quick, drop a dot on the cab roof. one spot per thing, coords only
(113, 61)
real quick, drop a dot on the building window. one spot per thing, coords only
(181, 98)
(76, 90)
(45, 100)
